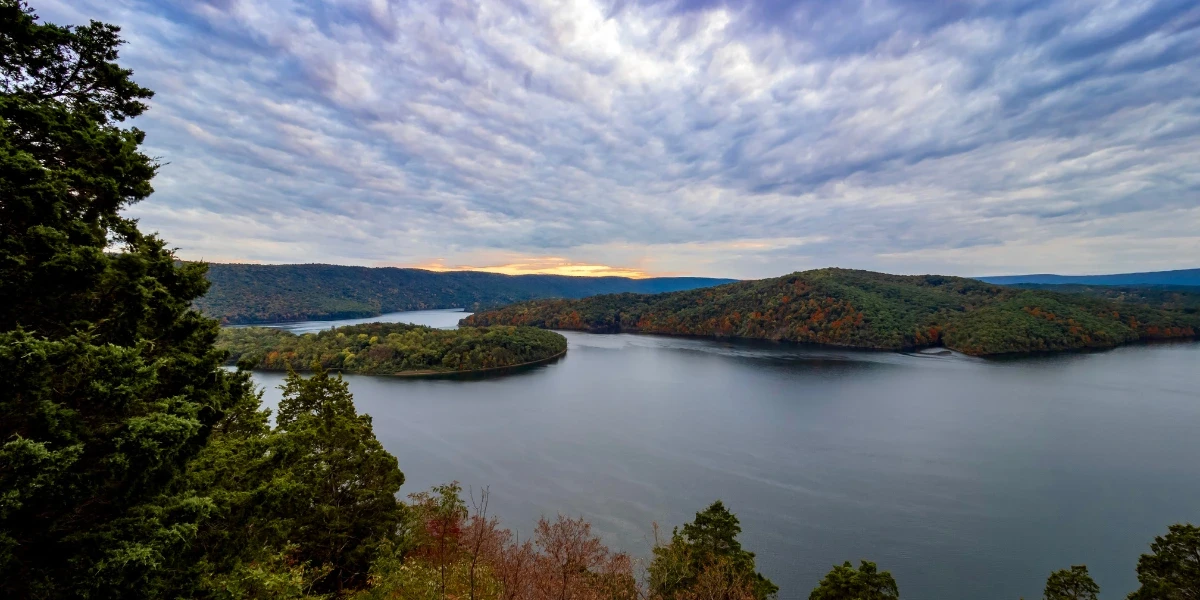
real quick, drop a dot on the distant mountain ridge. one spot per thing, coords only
(862, 309)
(250, 293)
(1188, 277)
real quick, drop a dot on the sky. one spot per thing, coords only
(698, 137)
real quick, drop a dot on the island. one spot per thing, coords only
(864, 309)
(391, 348)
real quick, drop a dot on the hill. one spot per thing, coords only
(391, 348)
(867, 310)
(243, 294)
(1183, 277)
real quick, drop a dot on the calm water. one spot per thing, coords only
(966, 478)
(442, 319)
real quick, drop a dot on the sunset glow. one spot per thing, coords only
(545, 266)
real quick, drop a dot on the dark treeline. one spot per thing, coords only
(868, 310)
(242, 293)
(1182, 298)
(132, 465)
(390, 348)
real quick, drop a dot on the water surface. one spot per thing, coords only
(967, 478)
(441, 319)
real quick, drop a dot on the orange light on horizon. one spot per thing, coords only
(544, 266)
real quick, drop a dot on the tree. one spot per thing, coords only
(864, 583)
(720, 581)
(708, 542)
(336, 486)
(1172, 569)
(112, 381)
(240, 550)
(573, 563)
(1071, 584)
(438, 521)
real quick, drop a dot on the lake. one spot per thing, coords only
(966, 478)
(441, 319)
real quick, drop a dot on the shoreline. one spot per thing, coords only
(429, 373)
(901, 350)
(329, 318)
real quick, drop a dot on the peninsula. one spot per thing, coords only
(391, 348)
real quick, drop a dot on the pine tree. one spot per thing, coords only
(111, 379)
(703, 548)
(864, 583)
(337, 485)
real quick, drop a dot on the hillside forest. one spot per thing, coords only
(390, 348)
(246, 294)
(863, 309)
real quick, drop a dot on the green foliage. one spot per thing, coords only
(272, 576)
(1184, 298)
(393, 578)
(1071, 584)
(1171, 571)
(243, 294)
(391, 348)
(112, 381)
(239, 550)
(308, 502)
(845, 582)
(866, 310)
(708, 543)
(339, 485)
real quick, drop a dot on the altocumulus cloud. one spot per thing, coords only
(736, 139)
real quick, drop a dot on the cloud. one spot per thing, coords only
(671, 136)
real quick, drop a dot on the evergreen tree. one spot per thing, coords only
(707, 544)
(864, 583)
(336, 488)
(1171, 571)
(298, 509)
(112, 381)
(1071, 584)
(237, 551)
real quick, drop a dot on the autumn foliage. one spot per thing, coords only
(456, 551)
(862, 309)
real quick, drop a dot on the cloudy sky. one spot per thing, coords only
(693, 137)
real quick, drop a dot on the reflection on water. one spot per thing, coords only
(440, 319)
(967, 478)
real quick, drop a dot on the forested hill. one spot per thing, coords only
(243, 293)
(868, 310)
(1182, 277)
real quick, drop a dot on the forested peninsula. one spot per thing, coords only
(391, 348)
(863, 309)
(246, 294)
